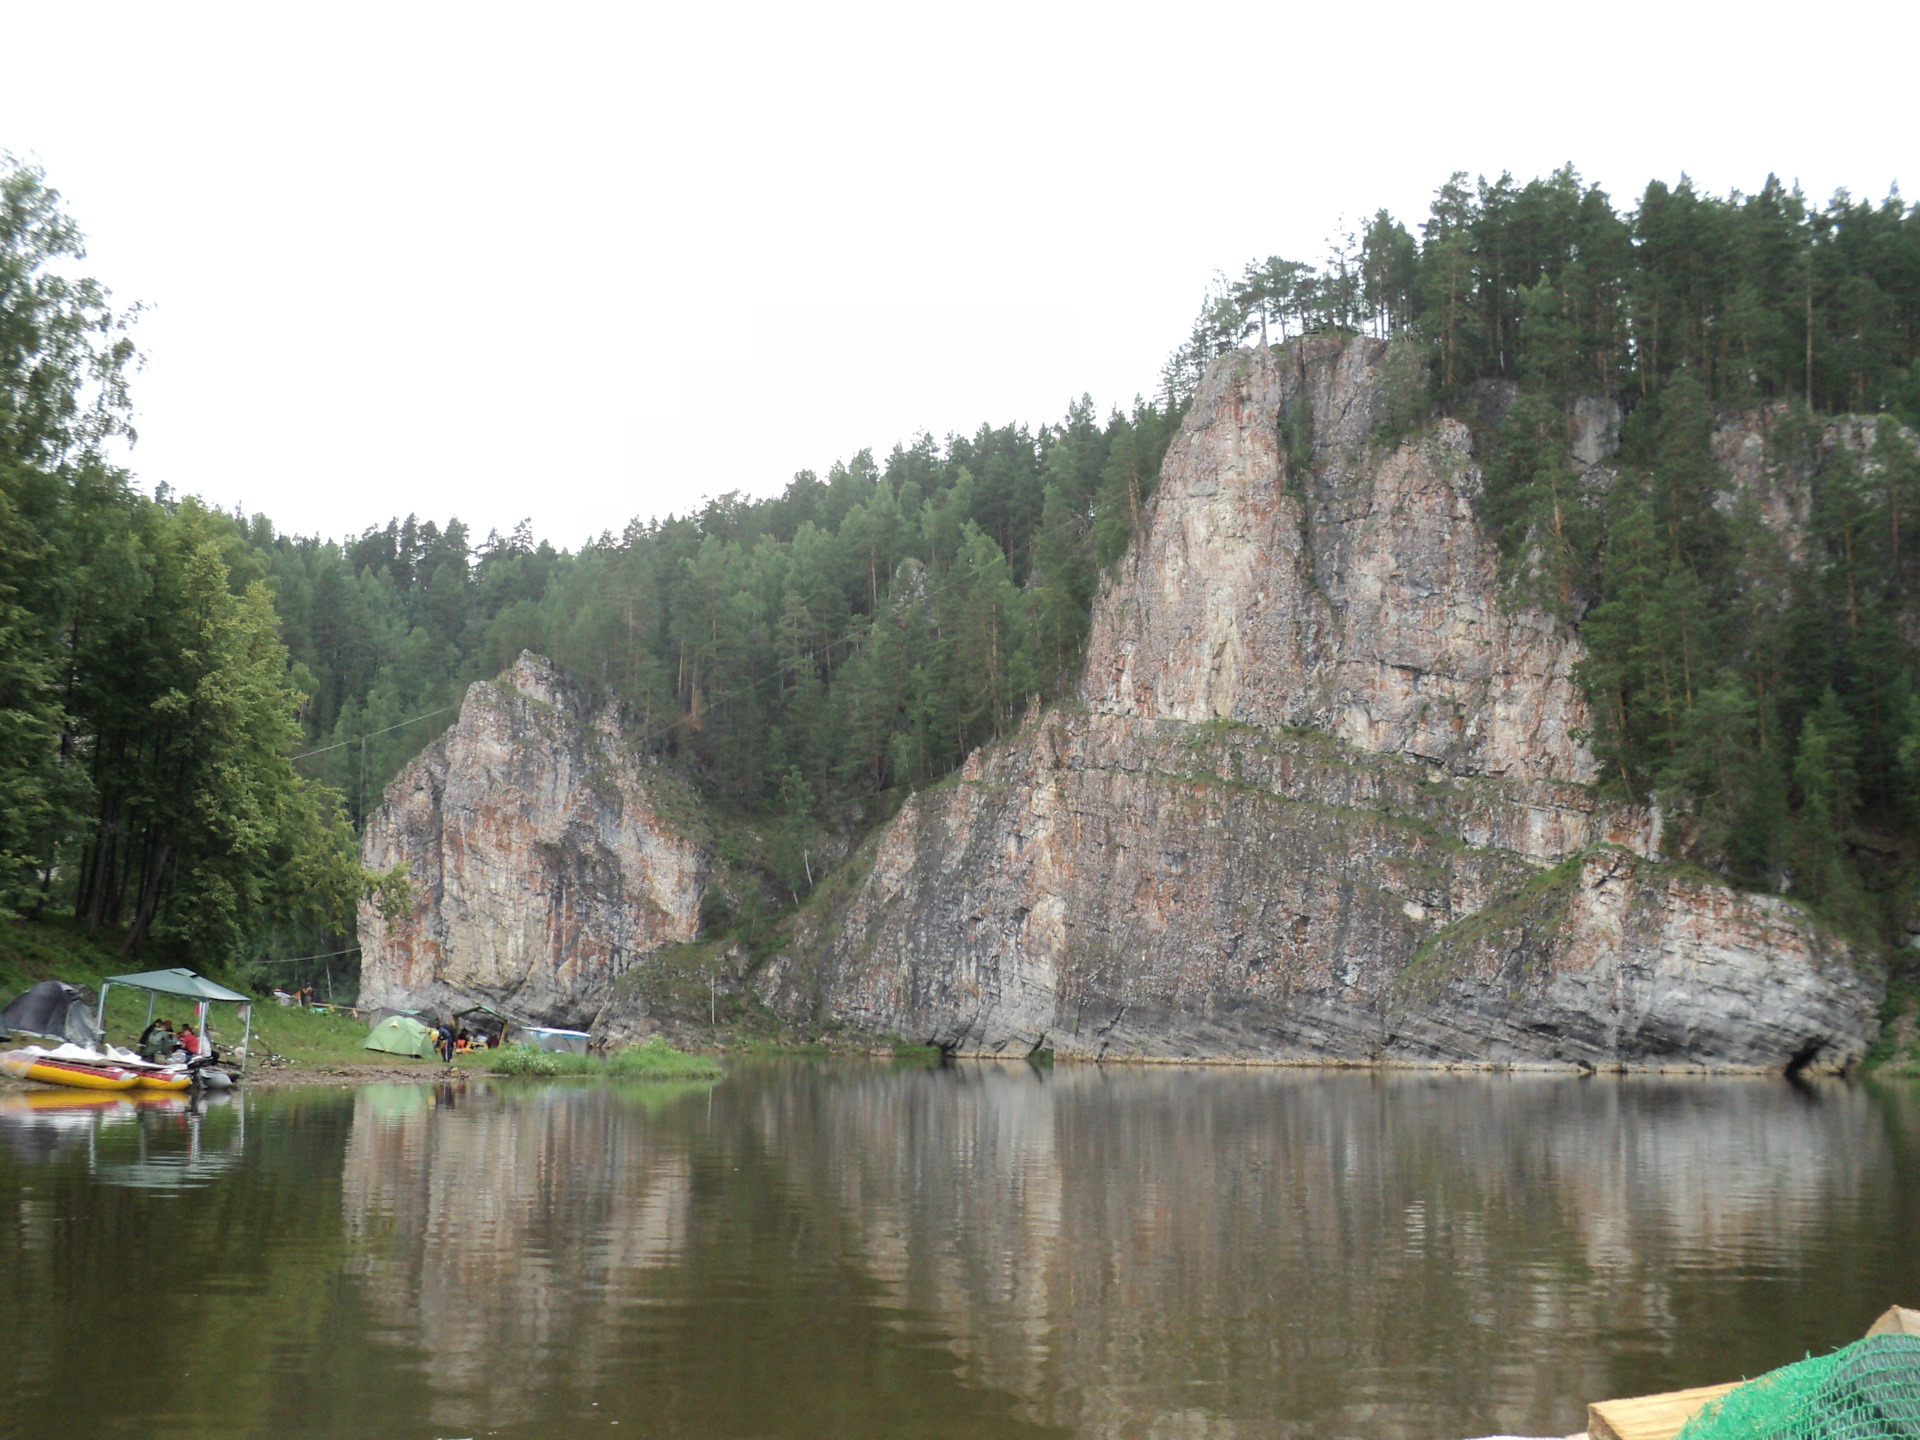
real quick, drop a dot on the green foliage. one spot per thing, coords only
(653, 1060)
(1546, 284)
(1762, 688)
(147, 710)
(865, 631)
(1897, 1049)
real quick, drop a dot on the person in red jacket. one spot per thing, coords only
(189, 1041)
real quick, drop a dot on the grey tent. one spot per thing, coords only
(54, 1009)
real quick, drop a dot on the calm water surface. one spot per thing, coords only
(855, 1250)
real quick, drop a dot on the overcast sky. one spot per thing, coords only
(586, 262)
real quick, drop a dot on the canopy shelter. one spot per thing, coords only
(547, 1037)
(485, 1021)
(54, 1009)
(187, 986)
(401, 1035)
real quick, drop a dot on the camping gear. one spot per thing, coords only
(401, 1035)
(483, 1022)
(546, 1037)
(1897, 1321)
(187, 986)
(54, 1009)
(1869, 1390)
(34, 1063)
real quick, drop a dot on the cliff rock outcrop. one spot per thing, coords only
(545, 853)
(1320, 796)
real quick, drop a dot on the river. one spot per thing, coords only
(855, 1249)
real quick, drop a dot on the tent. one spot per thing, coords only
(376, 1015)
(402, 1035)
(187, 986)
(54, 1009)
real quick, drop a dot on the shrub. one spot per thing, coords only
(654, 1060)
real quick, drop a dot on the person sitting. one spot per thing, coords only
(156, 1041)
(189, 1041)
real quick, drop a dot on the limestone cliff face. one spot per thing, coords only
(1302, 806)
(546, 856)
(1356, 596)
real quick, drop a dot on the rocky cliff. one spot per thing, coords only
(1319, 797)
(546, 856)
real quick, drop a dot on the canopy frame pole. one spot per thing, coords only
(100, 1016)
(151, 997)
(246, 1048)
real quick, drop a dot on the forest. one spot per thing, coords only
(197, 711)
(1759, 686)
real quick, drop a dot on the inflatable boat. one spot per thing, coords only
(30, 1065)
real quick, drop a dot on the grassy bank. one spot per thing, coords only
(654, 1060)
(313, 1040)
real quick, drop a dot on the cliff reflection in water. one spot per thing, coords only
(500, 1234)
(1124, 1251)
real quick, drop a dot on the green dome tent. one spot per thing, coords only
(402, 1035)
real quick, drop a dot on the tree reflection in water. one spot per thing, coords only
(859, 1250)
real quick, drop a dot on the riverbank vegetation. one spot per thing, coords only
(655, 1059)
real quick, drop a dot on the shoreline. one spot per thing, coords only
(347, 1075)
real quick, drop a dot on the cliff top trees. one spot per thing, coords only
(1762, 687)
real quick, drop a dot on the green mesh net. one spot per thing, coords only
(1868, 1391)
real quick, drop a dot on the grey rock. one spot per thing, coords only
(546, 857)
(1320, 797)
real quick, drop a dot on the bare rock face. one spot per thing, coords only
(1313, 801)
(546, 855)
(1357, 596)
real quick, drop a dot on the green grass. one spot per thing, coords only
(32, 951)
(906, 1053)
(1537, 911)
(655, 1060)
(1897, 1051)
(308, 1038)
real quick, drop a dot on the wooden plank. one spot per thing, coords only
(1897, 1321)
(1649, 1417)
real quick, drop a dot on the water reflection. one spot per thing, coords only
(511, 1228)
(1399, 1254)
(157, 1142)
(854, 1250)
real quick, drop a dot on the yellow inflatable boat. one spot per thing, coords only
(26, 1065)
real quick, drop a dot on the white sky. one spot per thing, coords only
(583, 262)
